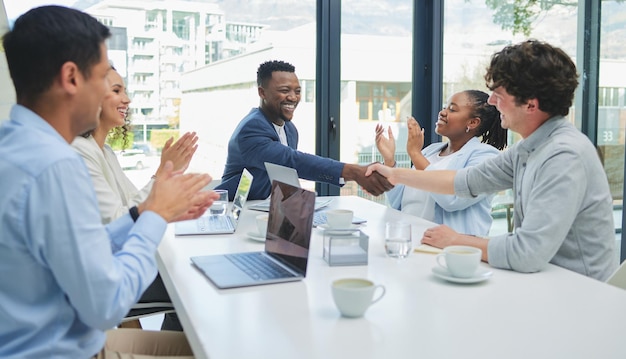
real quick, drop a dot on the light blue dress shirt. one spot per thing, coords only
(563, 211)
(64, 277)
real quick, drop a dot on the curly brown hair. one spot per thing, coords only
(121, 132)
(116, 133)
(535, 70)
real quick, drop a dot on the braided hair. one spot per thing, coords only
(490, 129)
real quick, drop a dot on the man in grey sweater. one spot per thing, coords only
(563, 210)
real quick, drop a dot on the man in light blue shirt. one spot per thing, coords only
(66, 278)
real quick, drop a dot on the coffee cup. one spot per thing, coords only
(353, 296)
(460, 261)
(339, 218)
(261, 223)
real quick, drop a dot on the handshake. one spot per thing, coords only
(368, 177)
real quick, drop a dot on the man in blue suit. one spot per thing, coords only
(267, 134)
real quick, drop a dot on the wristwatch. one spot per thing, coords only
(134, 213)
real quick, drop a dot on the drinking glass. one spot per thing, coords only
(219, 205)
(398, 242)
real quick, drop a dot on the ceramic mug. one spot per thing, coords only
(460, 261)
(353, 296)
(339, 218)
(261, 224)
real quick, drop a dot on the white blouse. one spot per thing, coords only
(418, 202)
(115, 192)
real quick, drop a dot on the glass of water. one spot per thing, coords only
(398, 242)
(219, 205)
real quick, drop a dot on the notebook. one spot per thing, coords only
(219, 224)
(289, 176)
(286, 253)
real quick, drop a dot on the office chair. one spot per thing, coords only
(141, 310)
(618, 278)
(155, 300)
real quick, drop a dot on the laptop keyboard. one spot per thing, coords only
(319, 218)
(214, 223)
(257, 266)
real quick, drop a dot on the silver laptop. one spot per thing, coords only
(219, 224)
(285, 175)
(286, 245)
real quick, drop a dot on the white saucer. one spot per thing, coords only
(482, 274)
(255, 236)
(333, 230)
(325, 226)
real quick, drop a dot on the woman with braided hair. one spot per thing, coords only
(473, 130)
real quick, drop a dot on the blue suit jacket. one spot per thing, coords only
(255, 142)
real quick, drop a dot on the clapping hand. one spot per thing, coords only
(386, 145)
(176, 196)
(415, 133)
(179, 153)
(415, 143)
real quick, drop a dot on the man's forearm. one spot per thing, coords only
(350, 172)
(431, 181)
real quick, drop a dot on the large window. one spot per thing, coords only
(380, 101)
(192, 66)
(611, 104)
(218, 94)
(475, 29)
(376, 69)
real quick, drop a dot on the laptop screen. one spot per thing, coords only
(242, 194)
(289, 224)
(283, 174)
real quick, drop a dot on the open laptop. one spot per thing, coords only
(287, 242)
(289, 176)
(219, 224)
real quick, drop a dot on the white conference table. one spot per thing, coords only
(555, 313)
